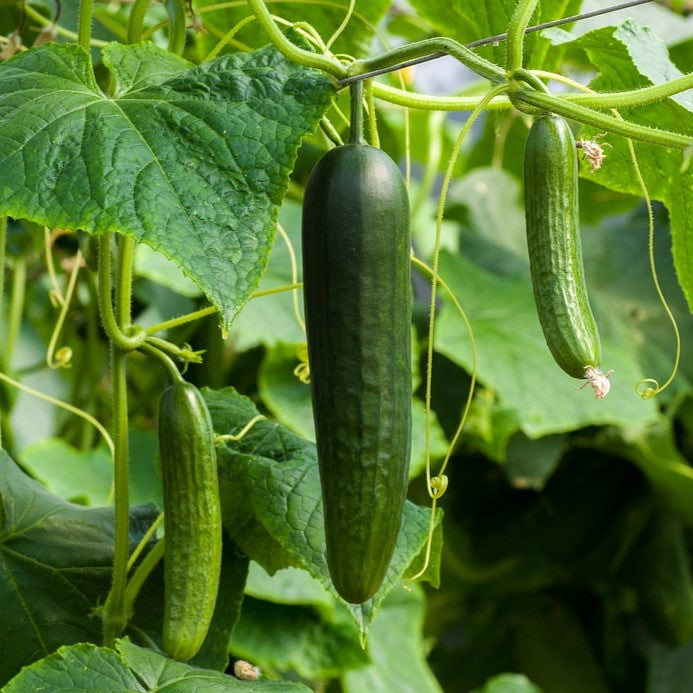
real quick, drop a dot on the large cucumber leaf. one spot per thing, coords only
(87, 667)
(55, 567)
(272, 503)
(193, 161)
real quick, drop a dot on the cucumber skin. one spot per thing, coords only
(192, 510)
(357, 293)
(555, 249)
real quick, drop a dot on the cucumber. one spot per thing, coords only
(357, 295)
(555, 250)
(192, 513)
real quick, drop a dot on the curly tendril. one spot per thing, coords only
(644, 389)
(438, 486)
(302, 371)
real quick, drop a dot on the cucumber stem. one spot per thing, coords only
(356, 93)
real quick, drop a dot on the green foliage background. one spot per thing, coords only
(561, 557)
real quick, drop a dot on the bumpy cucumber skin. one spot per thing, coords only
(555, 249)
(192, 510)
(357, 289)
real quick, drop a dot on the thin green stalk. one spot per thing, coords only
(602, 121)
(174, 350)
(373, 135)
(3, 245)
(14, 318)
(63, 405)
(165, 360)
(409, 51)
(142, 572)
(435, 280)
(519, 21)
(64, 307)
(126, 256)
(288, 49)
(138, 12)
(226, 38)
(627, 99)
(86, 10)
(37, 17)
(176, 28)
(428, 102)
(181, 320)
(146, 538)
(108, 320)
(356, 124)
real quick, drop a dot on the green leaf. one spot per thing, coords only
(530, 463)
(354, 40)
(193, 161)
(271, 319)
(291, 638)
(79, 476)
(670, 670)
(628, 57)
(55, 567)
(469, 20)
(157, 268)
(396, 648)
(131, 668)
(289, 586)
(508, 683)
(271, 476)
(85, 476)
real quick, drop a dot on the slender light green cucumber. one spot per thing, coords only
(555, 250)
(192, 513)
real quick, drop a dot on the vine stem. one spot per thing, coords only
(142, 572)
(356, 132)
(138, 11)
(86, 10)
(60, 30)
(115, 609)
(14, 317)
(603, 121)
(108, 319)
(3, 245)
(210, 310)
(176, 29)
(288, 49)
(519, 21)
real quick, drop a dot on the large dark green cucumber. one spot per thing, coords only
(192, 513)
(555, 249)
(357, 289)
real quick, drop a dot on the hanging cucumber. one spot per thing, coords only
(555, 251)
(357, 292)
(192, 513)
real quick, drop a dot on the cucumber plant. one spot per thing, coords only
(357, 293)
